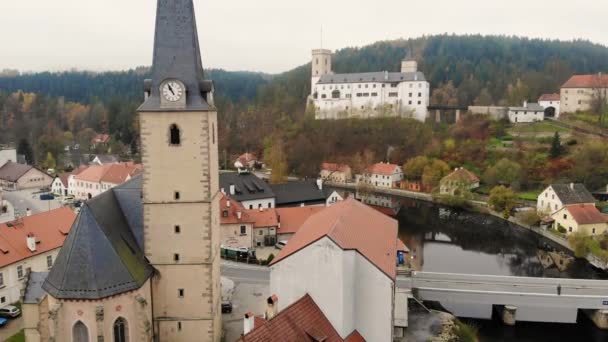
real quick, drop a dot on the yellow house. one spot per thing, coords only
(583, 218)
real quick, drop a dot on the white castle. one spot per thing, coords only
(370, 94)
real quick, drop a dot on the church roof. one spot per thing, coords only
(176, 55)
(103, 255)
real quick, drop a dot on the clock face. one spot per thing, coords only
(172, 91)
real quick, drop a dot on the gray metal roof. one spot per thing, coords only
(103, 254)
(573, 193)
(296, 193)
(13, 171)
(376, 77)
(176, 54)
(33, 291)
(534, 107)
(247, 185)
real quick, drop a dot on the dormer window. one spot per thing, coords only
(175, 135)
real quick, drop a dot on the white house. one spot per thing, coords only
(556, 196)
(96, 179)
(581, 218)
(344, 257)
(370, 94)
(577, 92)
(30, 244)
(551, 104)
(383, 175)
(529, 112)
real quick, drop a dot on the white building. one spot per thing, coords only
(577, 92)
(96, 179)
(550, 102)
(8, 155)
(383, 175)
(556, 196)
(30, 244)
(529, 112)
(348, 272)
(368, 95)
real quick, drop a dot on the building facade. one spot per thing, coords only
(368, 95)
(383, 175)
(529, 112)
(576, 94)
(14, 176)
(8, 155)
(456, 182)
(581, 218)
(556, 196)
(336, 173)
(551, 104)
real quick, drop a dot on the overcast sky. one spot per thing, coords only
(268, 35)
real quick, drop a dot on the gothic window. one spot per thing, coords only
(175, 135)
(80, 333)
(121, 330)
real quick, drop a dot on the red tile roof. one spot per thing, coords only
(63, 177)
(334, 167)
(50, 229)
(462, 175)
(586, 214)
(265, 218)
(302, 321)
(291, 219)
(232, 212)
(109, 173)
(352, 226)
(382, 169)
(587, 81)
(549, 97)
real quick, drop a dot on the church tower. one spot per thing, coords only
(180, 184)
(321, 65)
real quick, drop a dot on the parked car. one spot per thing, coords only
(226, 307)
(10, 311)
(280, 244)
(47, 197)
(3, 321)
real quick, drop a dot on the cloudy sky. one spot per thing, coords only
(268, 35)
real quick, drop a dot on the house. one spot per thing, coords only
(577, 92)
(556, 196)
(302, 193)
(581, 218)
(30, 244)
(61, 183)
(7, 155)
(370, 94)
(100, 140)
(336, 173)
(383, 175)
(236, 226)
(96, 179)
(291, 219)
(354, 248)
(415, 186)
(300, 321)
(14, 176)
(248, 189)
(551, 104)
(265, 226)
(529, 112)
(247, 161)
(460, 179)
(104, 159)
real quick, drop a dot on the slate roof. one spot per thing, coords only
(352, 226)
(176, 54)
(103, 255)
(33, 291)
(247, 185)
(372, 77)
(302, 321)
(298, 192)
(587, 81)
(533, 107)
(573, 193)
(13, 171)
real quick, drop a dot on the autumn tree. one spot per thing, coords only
(414, 168)
(504, 172)
(49, 162)
(503, 200)
(275, 157)
(445, 95)
(434, 172)
(598, 103)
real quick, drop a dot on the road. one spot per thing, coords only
(11, 328)
(24, 199)
(243, 273)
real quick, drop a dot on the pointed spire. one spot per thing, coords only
(177, 55)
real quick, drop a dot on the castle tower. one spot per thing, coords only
(180, 184)
(409, 64)
(321, 65)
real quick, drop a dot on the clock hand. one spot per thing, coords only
(171, 89)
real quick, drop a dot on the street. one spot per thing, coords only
(11, 328)
(24, 199)
(243, 273)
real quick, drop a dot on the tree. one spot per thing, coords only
(25, 149)
(598, 103)
(275, 157)
(445, 95)
(504, 172)
(502, 199)
(434, 172)
(556, 147)
(49, 162)
(413, 168)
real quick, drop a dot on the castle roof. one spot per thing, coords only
(373, 77)
(587, 81)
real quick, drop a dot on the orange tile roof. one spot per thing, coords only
(382, 169)
(302, 321)
(549, 97)
(352, 226)
(93, 173)
(291, 219)
(587, 81)
(462, 175)
(120, 173)
(334, 167)
(50, 229)
(232, 212)
(586, 214)
(264, 218)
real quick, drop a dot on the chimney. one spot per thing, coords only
(232, 189)
(28, 212)
(228, 203)
(526, 104)
(248, 323)
(572, 186)
(239, 215)
(272, 308)
(320, 183)
(31, 242)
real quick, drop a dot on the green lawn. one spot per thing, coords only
(529, 196)
(19, 337)
(538, 127)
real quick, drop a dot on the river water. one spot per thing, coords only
(446, 240)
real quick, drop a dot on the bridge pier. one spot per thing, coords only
(457, 115)
(599, 317)
(437, 116)
(509, 313)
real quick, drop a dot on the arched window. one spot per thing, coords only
(80, 333)
(175, 135)
(121, 330)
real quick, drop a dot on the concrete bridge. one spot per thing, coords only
(514, 298)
